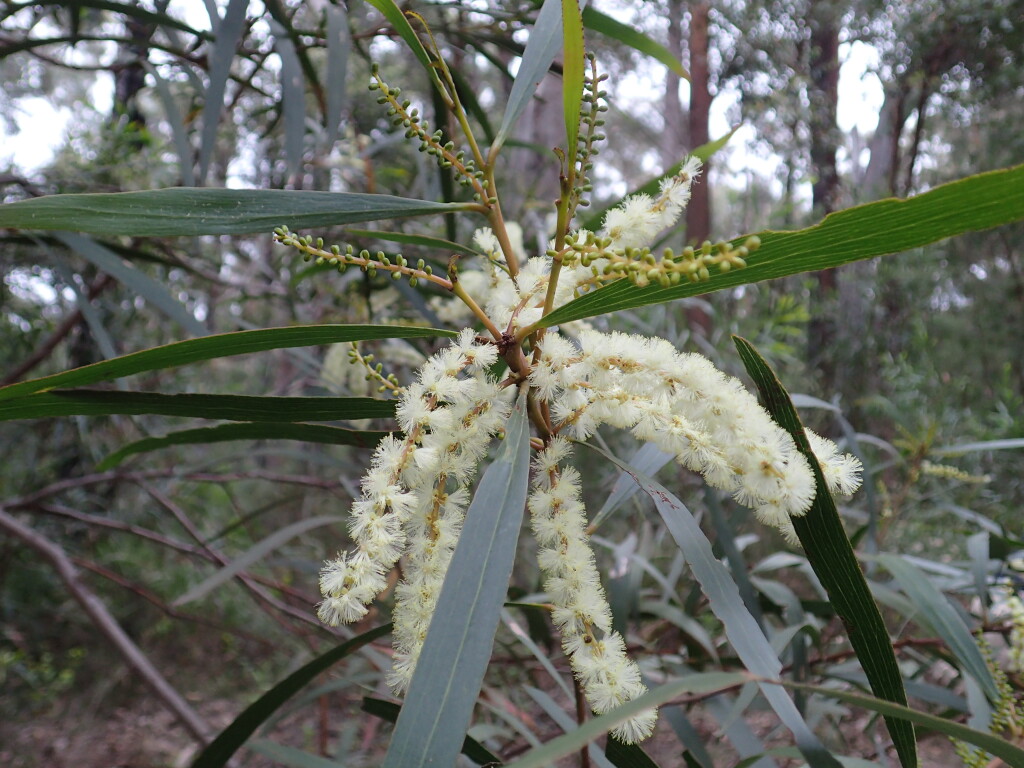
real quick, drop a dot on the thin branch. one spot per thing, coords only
(62, 330)
(199, 477)
(109, 627)
(99, 521)
(155, 599)
(259, 592)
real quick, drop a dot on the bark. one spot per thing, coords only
(824, 98)
(130, 79)
(880, 176)
(673, 137)
(698, 212)
(915, 145)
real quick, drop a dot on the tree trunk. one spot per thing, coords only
(698, 212)
(673, 136)
(880, 176)
(824, 98)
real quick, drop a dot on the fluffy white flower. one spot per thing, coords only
(639, 218)
(486, 241)
(841, 470)
(449, 415)
(573, 585)
(687, 407)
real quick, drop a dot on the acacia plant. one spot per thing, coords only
(531, 360)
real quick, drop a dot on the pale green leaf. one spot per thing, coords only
(221, 53)
(934, 610)
(451, 666)
(339, 47)
(1012, 443)
(254, 554)
(972, 204)
(293, 97)
(700, 684)
(187, 211)
(149, 289)
(282, 754)
(541, 49)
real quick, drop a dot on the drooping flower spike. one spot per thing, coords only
(416, 492)
(415, 495)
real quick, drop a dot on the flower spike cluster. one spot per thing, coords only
(581, 611)
(687, 407)
(415, 496)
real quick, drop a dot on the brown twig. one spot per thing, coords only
(58, 335)
(109, 627)
(98, 478)
(261, 594)
(99, 521)
(581, 718)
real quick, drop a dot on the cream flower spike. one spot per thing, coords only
(448, 417)
(687, 407)
(581, 612)
(639, 218)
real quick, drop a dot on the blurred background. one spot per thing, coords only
(915, 361)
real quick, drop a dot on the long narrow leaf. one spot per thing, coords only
(293, 97)
(573, 66)
(451, 666)
(187, 211)
(231, 738)
(573, 741)
(173, 117)
(252, 555)
(710, 682)
(988, 445)
(222, 433)
(221, 54)
(935, 610)
(213, 347)
(725, 602)
(282, 754)
(631, 36)
(101, 402)
(339, 46)
(834, 562)
(402, 26)
(145, 286)
(972, 204)
(566, 722)
(1010, 753)
(541, 49)
(649, 459)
